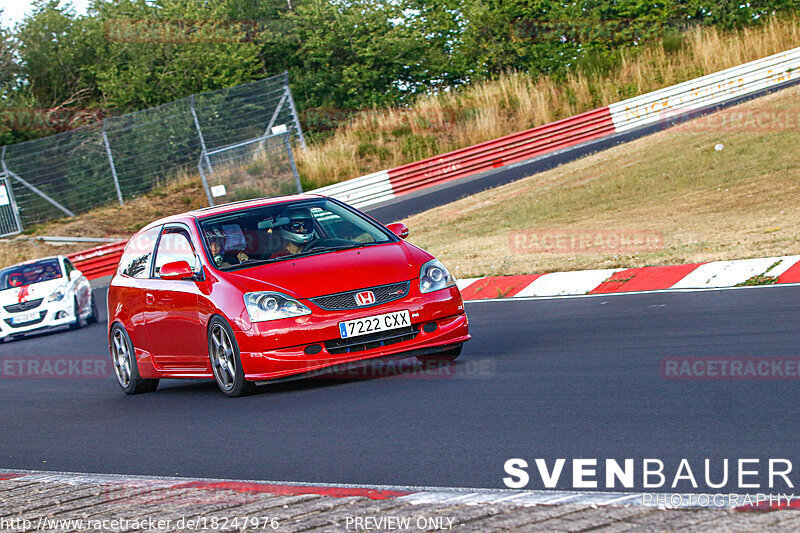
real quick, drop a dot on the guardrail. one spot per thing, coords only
(667, 105)
(99, 261)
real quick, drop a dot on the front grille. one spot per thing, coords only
(347, 300)
(29, 323)
(373, 340)
(23, 306)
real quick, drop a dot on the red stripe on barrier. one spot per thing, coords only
(792, 274)
(259, 488)
(5, 477)
(769, 506)
(503, 151)
(498, 287)
(645, 278)
(99, 261)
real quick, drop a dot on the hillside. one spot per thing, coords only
(386, 138)
(705, 204)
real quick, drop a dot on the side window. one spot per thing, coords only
(175, 245)
(68, 268)
(138, 255)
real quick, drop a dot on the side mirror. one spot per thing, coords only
(399, 229)
(176, 271)
(75, 275)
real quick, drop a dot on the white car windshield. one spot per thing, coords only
(29, 273)
(287, 230)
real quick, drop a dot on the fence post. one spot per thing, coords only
(294, 112)
(111, 162)
(204, 153)
(14, 206)
(32, 187)
(291, 162)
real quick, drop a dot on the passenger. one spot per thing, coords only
(216, 244)
(15, 280)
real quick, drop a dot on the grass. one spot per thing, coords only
(702, 204)
(385, 138)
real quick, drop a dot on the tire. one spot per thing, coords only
(441, 358)
(77, 312)
(123, 361)
(95, 314)
(226, 364)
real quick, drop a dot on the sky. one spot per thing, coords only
(15, 10)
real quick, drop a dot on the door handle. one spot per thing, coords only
(149, 298)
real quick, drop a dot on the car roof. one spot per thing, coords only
(230, 207)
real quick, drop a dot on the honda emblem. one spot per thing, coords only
(365, 298)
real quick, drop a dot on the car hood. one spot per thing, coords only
(29, 292)
(332, 272)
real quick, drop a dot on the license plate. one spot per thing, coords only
(21, 318)
(372, 324)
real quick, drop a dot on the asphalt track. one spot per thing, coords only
(571, 378)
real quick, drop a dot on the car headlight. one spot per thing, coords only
(434, 276)
(57, 295)
(263, 306)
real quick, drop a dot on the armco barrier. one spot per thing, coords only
(100, 261)
(666, 105)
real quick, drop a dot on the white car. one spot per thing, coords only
(44, 293)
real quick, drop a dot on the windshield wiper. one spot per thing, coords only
(315, 251)
(255, 262)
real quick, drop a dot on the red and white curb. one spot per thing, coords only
(695, 276)
(407, 494)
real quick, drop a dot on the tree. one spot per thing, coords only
(56, 56)
(156, 52)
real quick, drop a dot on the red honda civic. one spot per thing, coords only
(272, 289)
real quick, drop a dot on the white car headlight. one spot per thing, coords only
(263, 306)
(434, 276)
(57, 295)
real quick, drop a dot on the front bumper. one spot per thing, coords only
(270, 350)
(52, 314)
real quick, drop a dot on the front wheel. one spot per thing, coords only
(225, 360)
(441, 358)
(76, 310)
(95, 314)
(123, 359)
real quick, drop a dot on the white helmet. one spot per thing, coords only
(300, 228)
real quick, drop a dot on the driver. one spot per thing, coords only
(49, 272)
(15, 280)
(216, 243)
(297, 233)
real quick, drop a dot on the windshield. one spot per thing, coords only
(28, 274)
(287, 230)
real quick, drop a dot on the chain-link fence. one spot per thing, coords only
(250, 169)
(125, 156)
